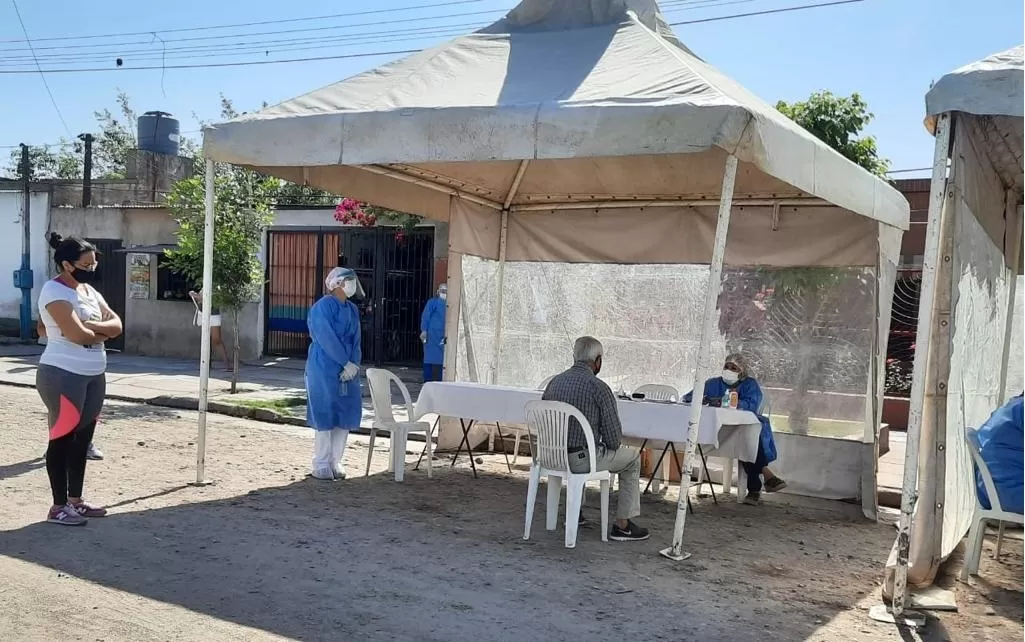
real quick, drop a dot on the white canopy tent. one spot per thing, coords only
(966, 325)
(584, 132)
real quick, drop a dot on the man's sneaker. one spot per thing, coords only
(94, 453)
(753, 499)
(339, 471)
(65, 516)
(632, 533)
(775, 484)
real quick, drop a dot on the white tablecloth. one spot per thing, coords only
(732, 433)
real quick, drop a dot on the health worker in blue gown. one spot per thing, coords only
(736, 376)
(334, 398)
(432, 334)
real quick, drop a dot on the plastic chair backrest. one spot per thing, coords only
(544, 384)
(765, 408)
(380, 382)
(972, 438)
(548, 423)
(658, 392)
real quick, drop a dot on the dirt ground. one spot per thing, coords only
(266, 554)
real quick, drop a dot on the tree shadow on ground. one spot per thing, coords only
(444, 559)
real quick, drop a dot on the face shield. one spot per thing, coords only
(345, 279)
(443, 292)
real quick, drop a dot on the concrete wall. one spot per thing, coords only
(153, 327)
(10, 252)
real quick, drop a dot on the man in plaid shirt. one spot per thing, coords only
(581, 388)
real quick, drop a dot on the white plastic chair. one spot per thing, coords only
(995, 513)
(658, 392)
(548, 423)
(380, 382)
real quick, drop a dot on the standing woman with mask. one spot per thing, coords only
(334, 398)
(736, 377)
(70, 378)
(432, 335)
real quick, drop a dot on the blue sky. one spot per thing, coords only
(888, 50)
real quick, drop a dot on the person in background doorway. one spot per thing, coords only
(334, 398)
(93, 452)
(70, 378)
(736, 376)
(216, 339)
(432, 334)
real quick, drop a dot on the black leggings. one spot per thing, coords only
(65, 463)
(73, 403)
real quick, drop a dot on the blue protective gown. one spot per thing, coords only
(335, 330)
(432, 321)
(1000, 443)
(749, 397)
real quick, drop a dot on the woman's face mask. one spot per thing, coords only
(730, 377)
(349, 287)
(443, 294)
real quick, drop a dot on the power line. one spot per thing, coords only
(767, 12)
(254, 47)
(210, 65)
(427, 5)
(274, 32)
(40, 69)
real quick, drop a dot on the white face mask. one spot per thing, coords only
(349, 287)
(443, 294)
(730, 377)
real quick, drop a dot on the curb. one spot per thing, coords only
(263, 415)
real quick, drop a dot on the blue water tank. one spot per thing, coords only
(158, 133)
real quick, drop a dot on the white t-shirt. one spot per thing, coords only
(60, 352)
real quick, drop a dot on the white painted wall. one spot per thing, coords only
(10, 248)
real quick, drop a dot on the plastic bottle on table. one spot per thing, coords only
(725, 402)
(734, 399)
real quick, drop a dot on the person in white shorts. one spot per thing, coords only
(216, 341)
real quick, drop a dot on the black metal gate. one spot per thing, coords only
(396, 271)
(111, 281)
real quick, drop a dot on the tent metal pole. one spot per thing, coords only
(668, 202)
(1010, 209)
(675, 552)
(924, 331)
(208, 287)
(422, 182)
(502, 239)
(502, 242)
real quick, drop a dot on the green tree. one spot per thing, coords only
(839, 122)
(802, 294)
(61, 161)
(242, 209)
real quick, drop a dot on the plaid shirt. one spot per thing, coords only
(594, 399)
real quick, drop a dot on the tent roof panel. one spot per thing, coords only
(556, 79)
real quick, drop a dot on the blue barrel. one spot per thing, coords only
(157, 132)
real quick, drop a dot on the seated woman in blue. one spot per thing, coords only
(737, 376)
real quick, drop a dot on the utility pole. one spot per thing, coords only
(87, 170)
(23, 277)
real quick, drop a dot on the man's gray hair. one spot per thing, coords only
(586, 350)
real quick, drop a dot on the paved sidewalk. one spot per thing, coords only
(175, 383)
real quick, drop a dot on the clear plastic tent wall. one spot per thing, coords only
(808, 333)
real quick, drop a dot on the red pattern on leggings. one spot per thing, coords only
(67, 419)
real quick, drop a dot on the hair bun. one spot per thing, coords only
(55, 240)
